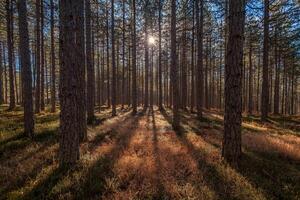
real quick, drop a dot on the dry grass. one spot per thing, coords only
(141, 157)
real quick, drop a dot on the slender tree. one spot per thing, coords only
(113, 61)
(265, 81)
(199, 26)
(53, 74)
(37, 59)
(174, 69)
(231, 149)
(26, 68)
(9, 23)
(1, 75)
(42, 57)
(134, 85)
(89, 64)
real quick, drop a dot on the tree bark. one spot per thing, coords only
(174, 69)
(26, 69)
(9, 22)
(71, 77)
(113, 92)
(134, 85)
(42, 58)
(53, 74)
(231, 148)
(89, 65)
(199, 25)
(265, 81)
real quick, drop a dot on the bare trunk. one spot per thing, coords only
(26, 69)
(231, 149)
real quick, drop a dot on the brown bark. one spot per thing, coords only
(113, 63)
(265, 81)
(199, 26)
(37, 59)
(231, 148)
(174, 69)
(71, 99)
(42, 58)
(53, 78)
(9, 22)
(89, 65)
(26, 69)
(134, 85)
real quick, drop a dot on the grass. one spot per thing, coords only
(141, 157)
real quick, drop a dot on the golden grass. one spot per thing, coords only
(140, 157)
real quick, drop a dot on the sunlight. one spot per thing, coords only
(151, 40)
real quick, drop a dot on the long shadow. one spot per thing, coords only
(161, 192)
(215, 180)
(277, 178)
(95, 181)
(42, 190)
(110, 133)
(21, 142)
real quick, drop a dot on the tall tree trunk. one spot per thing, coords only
(192, 61)
(37, 59)
(107, 57)
(277, 75)
(1, 74)
(53, 88)
(134, 85)
(5, 73)
(71, 76)
(9, 22)
(89, 65)
(265, 82)
(250, 101)
(123, 55)
(42, 58)
(26, 69)
(160, 93)
(174, 69)
(146, 64)
(113, 92)
(231, 148)
(199, 25)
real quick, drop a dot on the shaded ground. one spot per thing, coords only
(141, 157)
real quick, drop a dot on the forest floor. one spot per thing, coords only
(141, 157)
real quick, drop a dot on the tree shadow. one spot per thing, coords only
(212, 170)
(161, 192)
(95, 182)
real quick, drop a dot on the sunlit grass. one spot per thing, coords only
(140, 157)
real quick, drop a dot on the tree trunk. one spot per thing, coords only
(231, 148)
(107, 57)
(9, 18)
(71, 77)
(265, 81)
(42, 58)
(174, 69)
(26, 69)
(89, 65)
(1, 75)
(37, 59)
(134, 85)
(250, 101)
(113, 93)
(53, 88)
(160, 93)
(199, 25)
